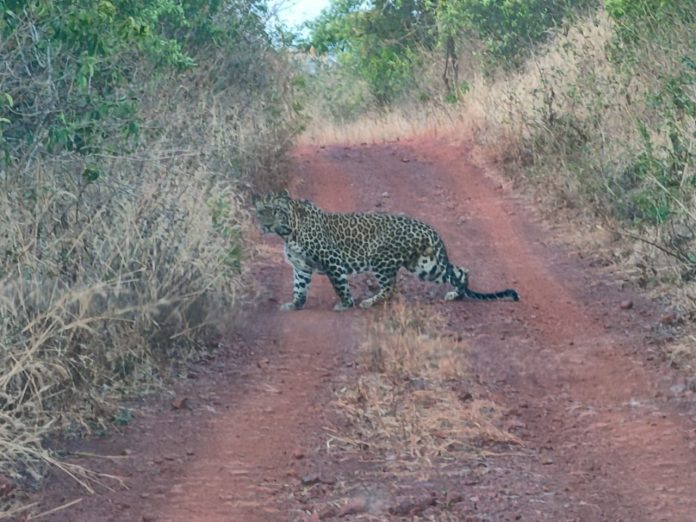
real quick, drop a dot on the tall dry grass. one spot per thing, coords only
(108, 285)
(604, 128)
(378, 127)
(569, 92)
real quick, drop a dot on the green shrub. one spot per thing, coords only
(385, 44)
(509, 28)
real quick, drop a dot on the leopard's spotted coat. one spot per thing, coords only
(341, 244)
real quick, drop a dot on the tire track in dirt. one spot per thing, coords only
(243, 467)
(261, 441)
(603, 411)
(597, 417)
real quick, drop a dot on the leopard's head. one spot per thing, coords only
(274, 212)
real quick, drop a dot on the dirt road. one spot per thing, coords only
(608, 430)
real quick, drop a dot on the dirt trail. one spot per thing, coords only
(608, 431)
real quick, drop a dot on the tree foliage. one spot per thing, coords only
(381, 40)
(376, 39)
(71, 68)
(507, 27)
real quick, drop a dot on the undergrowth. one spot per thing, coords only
(414, 403)
(122, 225)
(603, 119)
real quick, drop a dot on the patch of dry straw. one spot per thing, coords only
(413, 399)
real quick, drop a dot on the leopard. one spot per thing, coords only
(340, 244)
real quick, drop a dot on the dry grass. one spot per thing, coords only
(107, 287)
(569, 118)
(398, 123)
(570, 123)
(414, 400)
(538, 120)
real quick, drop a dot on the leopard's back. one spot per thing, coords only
(368, 241)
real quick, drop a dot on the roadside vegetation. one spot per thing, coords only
(604, 117)
(593, 103)
(127, 133)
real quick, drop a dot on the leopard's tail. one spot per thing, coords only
(457, 277)
(503, 294)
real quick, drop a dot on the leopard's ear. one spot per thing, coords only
(300, 211)
(286, 193)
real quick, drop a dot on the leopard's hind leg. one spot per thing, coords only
(386, 277)
(431, 264)
(457, 277)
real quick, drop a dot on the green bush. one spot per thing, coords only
(665, 160)
(74, 69)
(375, 41)
(636, 18)
(384, 44)
(509, 28)
(68, 68)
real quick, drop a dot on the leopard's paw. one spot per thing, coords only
(339, 307)
(452, 296)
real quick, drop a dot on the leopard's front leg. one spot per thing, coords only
(339, 280)
(301, 277)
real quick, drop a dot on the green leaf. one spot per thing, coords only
(91, 174)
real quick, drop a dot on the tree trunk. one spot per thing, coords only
(450, 63)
